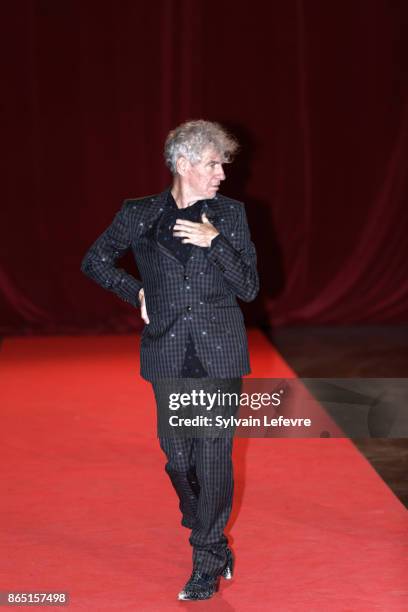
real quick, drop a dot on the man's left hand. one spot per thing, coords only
(200, 234)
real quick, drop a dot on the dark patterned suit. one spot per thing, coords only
(190, 295)
(199, 297)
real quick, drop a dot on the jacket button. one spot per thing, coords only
(188, 308)
(186, 277)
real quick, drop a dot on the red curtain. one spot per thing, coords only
(316, 92)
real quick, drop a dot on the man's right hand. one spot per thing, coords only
(143, 310)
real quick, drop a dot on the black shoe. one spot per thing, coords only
(228, 570)
(200, 586)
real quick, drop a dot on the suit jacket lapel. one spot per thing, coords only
(162, 198)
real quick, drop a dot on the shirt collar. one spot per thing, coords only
(171, 202)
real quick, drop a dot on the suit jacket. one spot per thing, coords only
(198, 297)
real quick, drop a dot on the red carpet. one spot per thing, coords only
(88, 509)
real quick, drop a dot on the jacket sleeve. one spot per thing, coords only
(99, 261)
(235, 257)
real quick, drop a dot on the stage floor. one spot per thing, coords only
(87, 507)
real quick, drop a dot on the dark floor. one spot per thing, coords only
(355, 352)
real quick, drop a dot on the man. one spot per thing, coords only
(195, 257)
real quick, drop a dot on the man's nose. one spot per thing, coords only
(221, 173)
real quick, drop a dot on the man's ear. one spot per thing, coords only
(182, 165)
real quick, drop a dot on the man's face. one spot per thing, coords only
(203, 179)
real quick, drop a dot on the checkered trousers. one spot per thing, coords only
(201, 470)
(198, 297)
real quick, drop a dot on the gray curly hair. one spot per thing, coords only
(191, 138)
